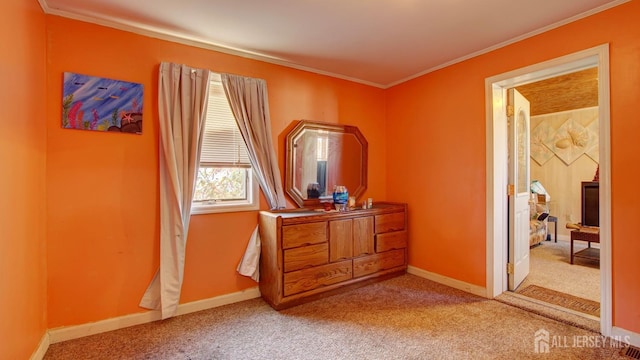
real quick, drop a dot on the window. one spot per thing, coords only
(224, 181)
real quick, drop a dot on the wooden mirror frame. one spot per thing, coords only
(305, 125)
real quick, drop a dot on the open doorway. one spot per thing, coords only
(564, 159)
(497, 226)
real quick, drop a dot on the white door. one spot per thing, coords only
(519, 190)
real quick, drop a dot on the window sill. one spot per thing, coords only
(213, 209)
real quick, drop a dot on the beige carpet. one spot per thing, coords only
(550, 268)
(402, 318)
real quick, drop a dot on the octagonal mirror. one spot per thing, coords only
(321, 156)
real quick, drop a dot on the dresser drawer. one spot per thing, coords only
(306, 256)
(370, 264)
(391, 240)
(315, 277)
(389, 222)
(304, 234)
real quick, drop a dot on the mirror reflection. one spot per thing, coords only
(322, 156)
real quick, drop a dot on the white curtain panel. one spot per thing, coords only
(250, 106)
(182, 108)
(249, 103)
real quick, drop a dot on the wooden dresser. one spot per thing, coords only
(306, 254)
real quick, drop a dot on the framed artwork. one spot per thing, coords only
(539, 151)
(593, 148)
(99, 104)
(570, 141)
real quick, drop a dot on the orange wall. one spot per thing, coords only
(436, 126)
(103, 216)
(102, 231)
(22, 184)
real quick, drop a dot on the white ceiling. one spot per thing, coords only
(376, 42)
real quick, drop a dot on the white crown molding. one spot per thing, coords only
(512, 41)
(44, 5)
(163, 34)
(444, 280)
(77, 331)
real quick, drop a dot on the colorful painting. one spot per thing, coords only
(93, 103)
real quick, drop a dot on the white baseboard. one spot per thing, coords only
(221, 300)
(42, 348)
(444, 280)
(77, 331)
(625, 336)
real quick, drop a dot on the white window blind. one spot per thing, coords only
(222, 143)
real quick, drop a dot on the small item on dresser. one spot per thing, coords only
(364, 204)
(313, 191)
(340, 197)
(370, 203)
(352, 202)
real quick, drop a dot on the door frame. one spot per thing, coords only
(496, 167)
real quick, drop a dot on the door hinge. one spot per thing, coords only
(511, 190)
(509, 268)
(509, 110)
